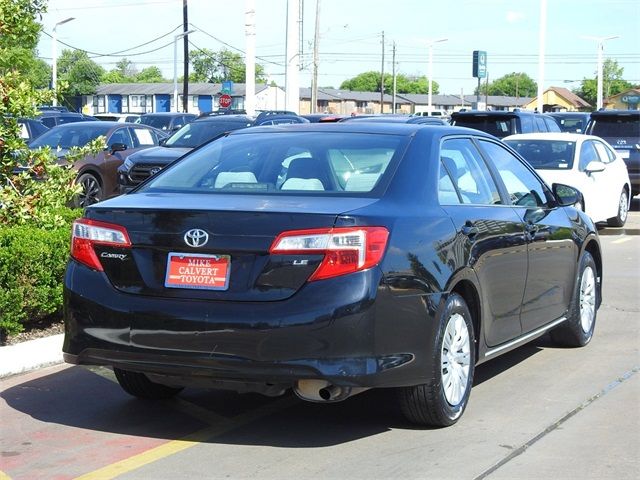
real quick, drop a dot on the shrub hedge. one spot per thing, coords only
(32, 264)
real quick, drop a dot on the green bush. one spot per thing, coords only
(32, 264)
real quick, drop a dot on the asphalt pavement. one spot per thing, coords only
(537, 412)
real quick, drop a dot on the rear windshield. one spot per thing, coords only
(545, 154)
(622, 126)
(161, 122)
(70, 136)
(497, 126)
(285, 163)
(194, 134)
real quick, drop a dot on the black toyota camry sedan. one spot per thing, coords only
(329, 259)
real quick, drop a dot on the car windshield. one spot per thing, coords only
(614, 126)
(545, 154)
(72, 135)
(285, 163)
(158, 121)
(497, 126)
(194, 134)
(571, 124)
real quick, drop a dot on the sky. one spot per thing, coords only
(351, 36)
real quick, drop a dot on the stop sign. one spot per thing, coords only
(225, 101)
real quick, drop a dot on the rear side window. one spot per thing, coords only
(540, 125)
(552, 126)
(468, 174)
(286, 163)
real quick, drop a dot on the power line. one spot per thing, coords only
(119, 53)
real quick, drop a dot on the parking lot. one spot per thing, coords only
(537, 412)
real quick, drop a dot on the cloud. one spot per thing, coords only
(513, 17)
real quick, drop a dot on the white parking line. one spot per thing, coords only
(622, 240)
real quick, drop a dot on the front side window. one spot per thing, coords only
(523, 187)
(120, 136)
(468, 173)
(286, 163)
(588, 154)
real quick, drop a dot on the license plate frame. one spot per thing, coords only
(193, 271)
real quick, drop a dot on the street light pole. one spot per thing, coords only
(430, 46)
(54, 56)
(600, 41)
(175, 66)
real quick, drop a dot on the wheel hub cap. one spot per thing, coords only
(624, 207)
(455, 359)
(587, 299)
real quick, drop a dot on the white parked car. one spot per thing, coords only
(585, 162)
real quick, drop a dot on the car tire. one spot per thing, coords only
(91, 190)
(623, 210)
(577, 330)
(139, 385)
(442, 400)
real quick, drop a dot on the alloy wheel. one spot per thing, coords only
(455, 359)
(91, 191)
(587, 299)
(623, 208)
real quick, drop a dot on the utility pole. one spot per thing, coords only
(292, 69)
(250, 57)
(600, 82)
(185, 39)
(382, 78)
(541, 47)
(393, 63)
(314, 80)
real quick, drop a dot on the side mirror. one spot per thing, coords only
(117, 147)
(595, 166)
(566, 195)
(163, 141)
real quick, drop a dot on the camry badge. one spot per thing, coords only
(196, 237)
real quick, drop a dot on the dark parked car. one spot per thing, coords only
(97, 174)
(141, 165)
(331, 259)
(323, 117)
(621, 128)
(167, 121)
(571, 122)
(31, 129)
(396, 118)
(502, 124)
(51, 118)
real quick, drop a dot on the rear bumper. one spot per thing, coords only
(347, 330)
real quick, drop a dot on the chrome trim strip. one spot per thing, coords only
(525, 338)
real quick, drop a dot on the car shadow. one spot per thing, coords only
(77, 397)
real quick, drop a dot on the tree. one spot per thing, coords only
(149, 75)
(216, 67)
(511, 85)
(612, 83)
(81, 73)
(370, 82)
(18, 48)
(126, 69)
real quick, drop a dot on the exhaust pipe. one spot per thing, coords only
(321, 391)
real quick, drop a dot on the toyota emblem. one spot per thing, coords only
(154, 170)
(196, 237)
(622, 141)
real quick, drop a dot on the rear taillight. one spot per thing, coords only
(345, 250)
(86, 233)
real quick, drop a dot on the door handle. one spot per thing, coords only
(469, 229)
(531, 228)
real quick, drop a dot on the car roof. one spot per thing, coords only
(231, 118)
(616, 113)
(381, 128)
(165, 114)
(552, 136)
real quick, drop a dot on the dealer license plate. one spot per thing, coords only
(199, 271)
(624, 153)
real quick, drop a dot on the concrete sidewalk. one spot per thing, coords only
(30, 355)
